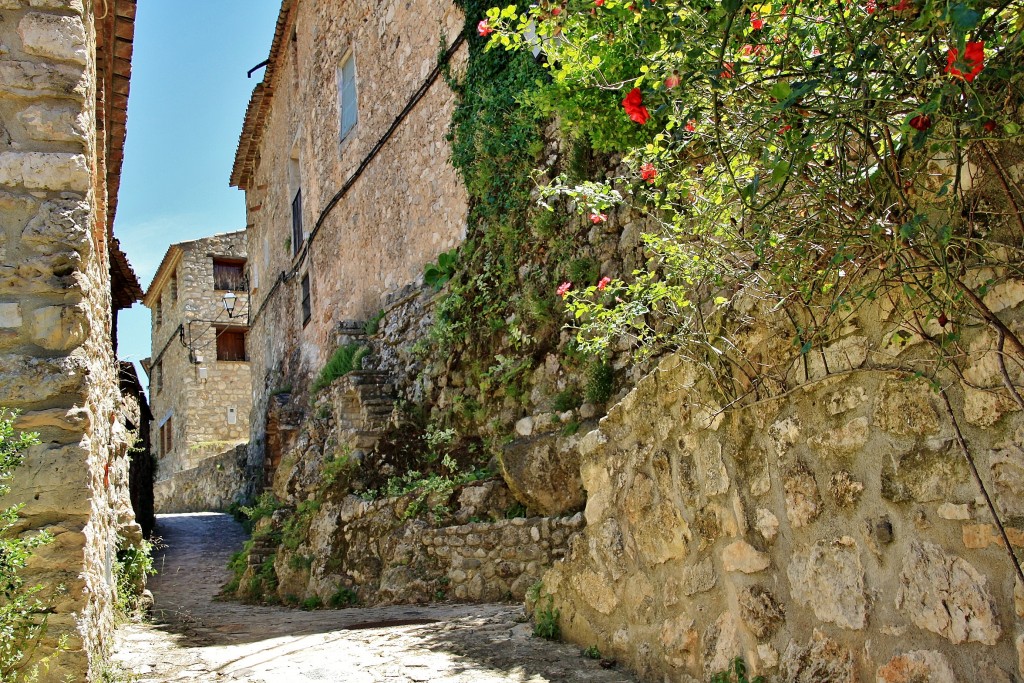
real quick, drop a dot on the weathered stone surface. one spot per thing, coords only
(740, 556)
(722, 643)
(829, 578)
(10, 315)
(846, 491)
(945, 594)
(681, 642)
(698, 578)
(36, 79)
(905, 409)
(822, 660)
(60, 224)
(919, 666)
(767, 524)
(27, 379)
(54, 36)
(803, 502)
(1007, 468)
(64, 123)
(848, 439)
(846, 399)
(524, 427)
(58, 328)
(761, 611)
(924, 475)
(954, 512)
(44, 170)
(544, 474)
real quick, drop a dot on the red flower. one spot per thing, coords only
(604, 282)
(785, 129)
(672, 81)
(648, 172)
(556, 11)
(598, 2)
(691, 126)
(902, 6)
(756, 22)
(974, 57)
(989, 126)
(596, 218)
(872, 6)
(921, 122)
(563, 289)
(633, 104)
(484, 29)
(727, 70)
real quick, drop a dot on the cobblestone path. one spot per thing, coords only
(194, 638)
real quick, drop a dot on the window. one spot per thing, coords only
(297, 222)
(229, 274)
(307, 308)
(158, 313)
(348, 102)
(167, 436)
(231, 344)
(172, 288)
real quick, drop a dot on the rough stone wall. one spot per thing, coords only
(834, 533)
(198, 407)
(372, 549)
(406, 209)
(214, 484)
(57, 363)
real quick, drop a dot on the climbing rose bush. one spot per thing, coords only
(810, 154)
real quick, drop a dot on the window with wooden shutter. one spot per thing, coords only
(231, 344)
(229, 274)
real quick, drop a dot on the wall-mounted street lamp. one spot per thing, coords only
(229, 304)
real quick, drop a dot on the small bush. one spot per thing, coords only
(569, 399)
(737, 673)
(545, 623)
(133, 565)
(346, 358)
(592, 652)
(343, 597)
(372, 325)
(312, 603)
(600, 382)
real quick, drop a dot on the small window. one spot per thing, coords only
(158, 312)
(307, 307)
(231, 344)
(229, 274)
(167, 436)
(297, 235)
(348, 103)
(172, 288)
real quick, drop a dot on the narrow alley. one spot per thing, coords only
(194, 637)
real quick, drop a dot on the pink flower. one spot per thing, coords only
(563, 289)
(603, 282)
(974, 57)
(672, 81)
(484, 29)
(596, 218)
(635, 109)
(556, 11)
(872, 6)
(648, 172)
(727, 70)
(598, 2)
(921, 122)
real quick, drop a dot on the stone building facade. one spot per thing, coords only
(199, 382)
(348, 88)
(64, 78)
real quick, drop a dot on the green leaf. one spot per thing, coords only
(781, 90)
(779, 171)
(964, 17)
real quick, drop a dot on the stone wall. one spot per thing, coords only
(407, 208)
(216, 483)
(206, 400)
(833, 533)
(375, 550)
(57, 360)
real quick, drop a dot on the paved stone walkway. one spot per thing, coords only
(194, 638)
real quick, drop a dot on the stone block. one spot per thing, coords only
(740, 556)
(54, 36)
(45, 171)
(761, 611)
(919, 665)
(803, 502)
(905, 409)
(828, 577)
(58, 328)
(54, 122)
(924, 475)
(945, 594)
(822, 660)
(10, 315)
(26, 379)
(544, 474)
(35, 79)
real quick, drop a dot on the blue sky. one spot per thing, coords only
(188, 97)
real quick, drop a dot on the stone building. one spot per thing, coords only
(344, 164)
(64, 78)
(199, 384)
